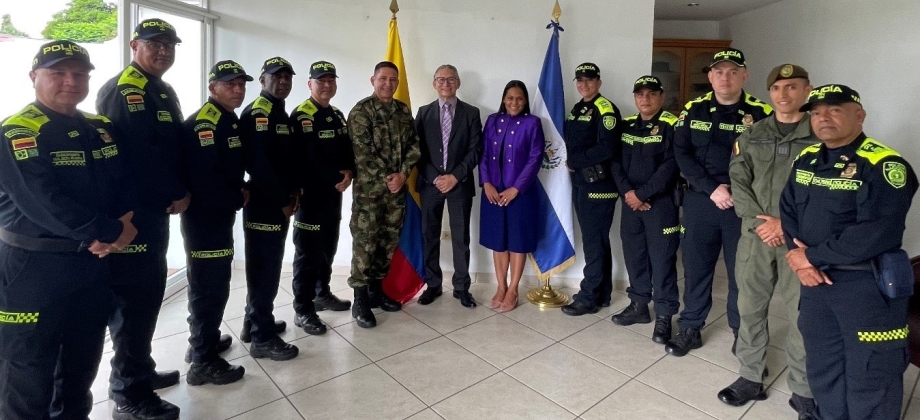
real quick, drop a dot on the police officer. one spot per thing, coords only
(591, 139)
(845, 205)
(646, 174)
(145, 111)
(216, 159)
(63, 206)
(703, 139)
(272, 198)
(386, 147)
(326, 164)
(759, 169)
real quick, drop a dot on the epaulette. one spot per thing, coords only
(815, 148)
(96, 117)
(307, 107)
(603, 105)
(706, 97)
(131, 76)
(209, 112)
(752, 101)
(668, 117)
(631, 117)
(874, 151)
(262, 103)
(29, 117)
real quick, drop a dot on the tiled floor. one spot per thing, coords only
(447, 361)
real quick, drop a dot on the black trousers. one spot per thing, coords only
(594, 206)
(708, 230)
(459, 210)
(316, 239)
(138, 282)
(264, 230)
(650, 241)
(208, 238)
(52, 328)
(855, 346)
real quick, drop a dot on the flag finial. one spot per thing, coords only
(557, 11)
(394, 7)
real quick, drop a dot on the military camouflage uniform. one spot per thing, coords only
(385, 142)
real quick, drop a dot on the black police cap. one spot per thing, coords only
(321, 68)
(54, 52)
(831, 95)
(151, 28)
(732, 55)
(589, 70)
(276, 64)
(647, 82)
(227, 70)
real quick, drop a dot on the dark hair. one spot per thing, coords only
(385, 64)
(523, 87)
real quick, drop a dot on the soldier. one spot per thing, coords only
(386, 147)
(145, 111)
(216, 160)
(759, 169)
(63, 205)
(646, 174)
(272, 199)
(844, 206)
(703, 138)
(328, 163)
(592, 140)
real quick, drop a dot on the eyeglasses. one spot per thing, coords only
(443, 80)
(157, 45)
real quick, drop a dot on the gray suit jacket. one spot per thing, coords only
(463, 153)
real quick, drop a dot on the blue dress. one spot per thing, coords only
(512, 154)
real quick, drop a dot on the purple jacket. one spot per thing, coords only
(523, 150)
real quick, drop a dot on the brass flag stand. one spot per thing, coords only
(546, 296)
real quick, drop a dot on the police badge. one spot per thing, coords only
(105, 135)
(849, 172)
(610, 122)
(654, 130)
(747, 120)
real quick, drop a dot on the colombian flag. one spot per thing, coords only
(407, 272)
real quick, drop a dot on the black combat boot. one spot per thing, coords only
(361, 309)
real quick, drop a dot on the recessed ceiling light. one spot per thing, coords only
(693, 4)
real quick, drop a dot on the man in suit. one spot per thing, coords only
(450, 134)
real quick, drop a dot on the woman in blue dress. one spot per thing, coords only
(513, 150)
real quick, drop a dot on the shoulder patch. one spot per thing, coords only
(604, 106)
(96, 117)
(131, 76)
(895, 174)
(29, 117)
(609, 122)
(307, 107)
(262, 103)
(209, 112)
(875, 151)
(668, 117)
(706, 97)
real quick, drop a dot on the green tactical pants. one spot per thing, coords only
(375, 226)
(762, 270)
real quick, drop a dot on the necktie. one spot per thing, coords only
(446, 123)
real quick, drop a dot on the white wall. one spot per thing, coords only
(687, 29)
(490, 42)
(867, 45)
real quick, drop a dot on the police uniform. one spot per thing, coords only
(265, 126)
(759, 169)
(61, 189)
(384, 142)
(703, 140)
(145, 111)
(215, 162)
(849, 205)
(591, 141)
(324, 149)
(650, 238)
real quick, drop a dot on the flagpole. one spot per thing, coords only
(546, 296)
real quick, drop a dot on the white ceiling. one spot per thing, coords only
(707, 10)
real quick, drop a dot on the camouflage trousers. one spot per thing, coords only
(375, 225)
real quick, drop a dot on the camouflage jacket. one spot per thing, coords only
(384, 141)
